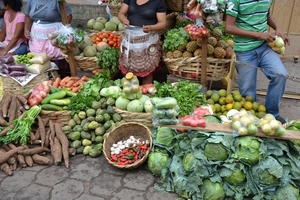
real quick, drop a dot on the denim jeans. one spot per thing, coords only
(23, 49)
(262, 57)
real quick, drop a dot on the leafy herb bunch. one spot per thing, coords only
(174, 38)
(108, 59)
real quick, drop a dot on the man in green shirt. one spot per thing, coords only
(248, 21)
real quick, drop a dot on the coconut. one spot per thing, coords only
(110, 26)
(90, 23)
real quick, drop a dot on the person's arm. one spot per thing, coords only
(161, 23)
(3, 32)
(13, 42)
(27, 26)
(122, 14)
(231, 28)
(278, 31)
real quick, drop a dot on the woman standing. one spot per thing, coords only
(141, 48)
(12, 33)
(42, 18)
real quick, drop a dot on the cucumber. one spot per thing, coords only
(56, 95)
(53, 89)
(70, 93)
(60, 102)
(51, 107)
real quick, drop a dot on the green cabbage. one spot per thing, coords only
(157, 161)
(247, 149)
(165, 136)
(212, 190)
(236, 177)
(215, 151)
(288, 192)
(188, 162)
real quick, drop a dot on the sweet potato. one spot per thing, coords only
(3, 122)
(56, 151)
(28, 160)
(42, 160)
(37, 134)
(5, 156)
(52, 134)
(6, 169)
(64, 143)
(6, 105)
(21, 160)
(47, 142)
(72, 151)
(32, 151)
(42, 130)
(4, 131)
(21, 99)
(32, 136)
(12, 110)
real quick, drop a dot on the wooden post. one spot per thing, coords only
(71, 59)
(204, 64)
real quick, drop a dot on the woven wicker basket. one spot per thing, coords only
(10, 86)
(190, 68)
(84, 63)
(123, 132)
(177, 5)
(143, 118)
(171, 22)
(114, 10)
(57, 116)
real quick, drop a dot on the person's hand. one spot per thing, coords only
(3, 53)
(147, 28)
(269, 37)
(280, 33)
(126, 22)
(27, 34)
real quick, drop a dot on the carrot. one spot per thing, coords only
(50, 82)
(5, 156)
(75, 89)
(64, 80)
(84, 78)
(5, 105)
(56, 151)
(75, 78)
(78, 83)
(64, 143)
(42, 160)
(28, 160)
(32, 151)
(6, 169)
(42, 130)
(56, 82)
(70, 83)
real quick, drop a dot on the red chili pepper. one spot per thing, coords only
(113, 158)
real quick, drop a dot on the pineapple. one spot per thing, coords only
(219, 52)
(198, 52)
(199, 42)
(217, 33)
(187, 54)
(169, 54)
(182, 47)
(210, 49)
(212, 40)
(230, 43)
(191, 46)
(229, 52)
(223, 44)
(177, 54)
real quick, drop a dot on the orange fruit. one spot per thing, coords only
(248, 105)
(129, 76)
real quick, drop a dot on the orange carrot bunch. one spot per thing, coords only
(74, 83)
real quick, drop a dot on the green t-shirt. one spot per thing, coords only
(250, 15)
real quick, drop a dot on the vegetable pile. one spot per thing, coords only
(199, 165)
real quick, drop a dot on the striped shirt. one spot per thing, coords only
(250, 15)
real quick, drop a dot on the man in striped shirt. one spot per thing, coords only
(248, 21)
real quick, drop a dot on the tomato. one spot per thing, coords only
(201, 122)
(194, 122)
(186, 121)
(111, 43)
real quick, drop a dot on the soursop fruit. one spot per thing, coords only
(191, 46)
(182, 47)
(223, 44)
(198, 52)
(187, 54)
(199, 42)
(219, 52)
(210, 49)
(169, 54)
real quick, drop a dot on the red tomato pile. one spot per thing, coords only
(196, 32)
(112, 39)
(196, 119)
(38, 93)
(130, 154)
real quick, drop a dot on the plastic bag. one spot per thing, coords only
(38, 68)
(6, 59)
(40, 58)
(67, 35)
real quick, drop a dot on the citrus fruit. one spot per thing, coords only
(222, 101)
(129, 75)
(222, 93)
(215, 97)
(261, 108)
(235, 117)
(252, 129)
(229, 99)
(237, 105)
(280, 131)
(269, 117)
(236, 125)
(260, 115)
(229, 106)
(223, 108)
(208, 94)
(237, 97)
(213, 108)
(236, 92)
(225, 113)
(249, 98)
(266, 128)
(243, 131)
(218, 107)
(255, 106)
(247, 105)
(210, 101)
